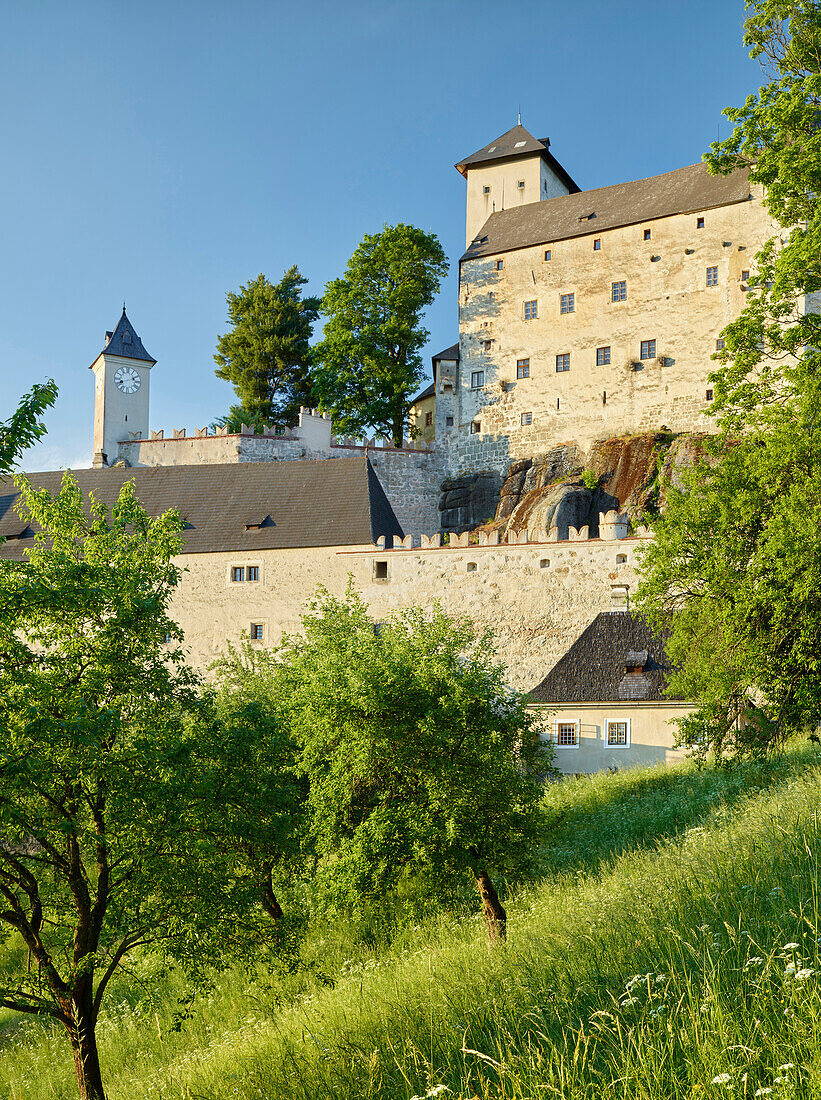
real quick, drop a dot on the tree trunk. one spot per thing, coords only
(87, 1062)
(495, 916)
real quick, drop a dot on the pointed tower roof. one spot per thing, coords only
(125, 341)
(517, 142)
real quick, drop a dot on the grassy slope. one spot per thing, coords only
(628, 973)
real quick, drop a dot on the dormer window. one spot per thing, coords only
(126, 337)
(519, 144)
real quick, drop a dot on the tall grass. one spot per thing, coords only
(671, 951)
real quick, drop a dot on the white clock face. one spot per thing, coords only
(127, 380)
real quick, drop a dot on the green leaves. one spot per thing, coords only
(25, 427)
(367, 366)
(266, 355)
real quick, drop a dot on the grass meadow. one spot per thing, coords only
(670, 949)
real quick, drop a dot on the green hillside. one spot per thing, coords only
(669, 950)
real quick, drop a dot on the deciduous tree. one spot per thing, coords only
(736, 560)
(25, 426)
(419, 759)
(368, 365)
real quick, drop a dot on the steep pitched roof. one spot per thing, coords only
(450, 353)
(239, 507)
(125, 341)
(517, 142)
(429, 391)
(682, 191)
(594, 669)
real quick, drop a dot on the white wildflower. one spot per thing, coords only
(629, 1001)
(722, 1079)
(786, 1067)
(790, 946)
(762, 1092)
(807, 972)
(436, 1090)
(755, 960)
(789, 970)
(781, 1080)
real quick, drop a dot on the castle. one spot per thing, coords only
(582, 315)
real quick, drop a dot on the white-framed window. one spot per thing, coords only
(531, 311)
(477, 379)
(566, 735)
(617, 733)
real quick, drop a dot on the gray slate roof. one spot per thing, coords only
(125, 341)
(505, 148)
(450, 353)
(429, 391)
(683, 191)
(594, 669)
(331, 502)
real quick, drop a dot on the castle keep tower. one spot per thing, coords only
(121, 376)
(514, 170)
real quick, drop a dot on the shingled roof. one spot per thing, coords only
(595, 668)
(428, 391)
(517, 142)
(449, 354)
(124, 341)
(683, 191)
(239, 507)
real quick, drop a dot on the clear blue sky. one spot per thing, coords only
(164, 153)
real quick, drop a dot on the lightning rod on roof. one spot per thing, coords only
(520, 114)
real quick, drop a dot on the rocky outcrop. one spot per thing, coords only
(467, 502)
(564, 488)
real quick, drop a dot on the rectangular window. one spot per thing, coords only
(520, 184)
(238, 573)
(485, 190)
(253, 572)
(597, 244)
(523, 368)
(568, 303)
(527, 418)
(500, 265)
(477, 379)
(712, 276)
(648, 349)
(719, 344)
(567, 734)
(448, 421)
(619, 291)
(699, 223)
(709, 395)
(475, 427)
(530, 311)
(548, 255)
(256, 632)
(602, 357)
(618, 734)
(647, 234)
(428, 419)
(562, 363)
(745, 275)
(380, 570)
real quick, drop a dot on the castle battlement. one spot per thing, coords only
(613, 527)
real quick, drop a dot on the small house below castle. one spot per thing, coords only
(603, 704)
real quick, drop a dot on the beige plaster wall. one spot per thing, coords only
(118, 415)
(668, 301)
(652, 734)
(535, 610)
(502, 177)
(418, 415)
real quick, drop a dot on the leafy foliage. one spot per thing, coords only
(736, 557)
(368, 367)
(118, 783)
(419, 760)
(266, 355)
(24, 427)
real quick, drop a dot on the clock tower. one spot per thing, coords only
(121, 375)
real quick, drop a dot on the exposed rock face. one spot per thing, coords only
(627, 474)
(466, 502)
